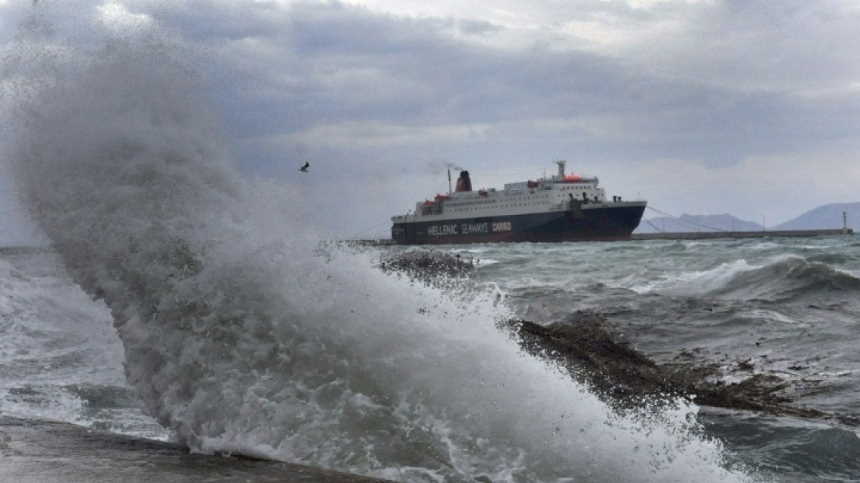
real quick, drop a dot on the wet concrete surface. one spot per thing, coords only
(49, 452)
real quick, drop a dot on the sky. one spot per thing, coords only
(698, 106)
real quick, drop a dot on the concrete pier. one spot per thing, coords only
(51, 452)
(713, 235)
(686, 235)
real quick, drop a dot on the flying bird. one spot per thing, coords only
(304, 169)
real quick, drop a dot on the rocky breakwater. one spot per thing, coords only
(592, 351)
(588, 347)
(426, 265)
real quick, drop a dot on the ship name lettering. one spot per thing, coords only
(466, 228)
(441, 230)
(502, 226)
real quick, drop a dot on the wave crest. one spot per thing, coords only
(239, 338)
(782, 279)
(790, 278)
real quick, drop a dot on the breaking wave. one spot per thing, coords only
(689, 283)
(240, 337)
(783, 278)
(789, 278)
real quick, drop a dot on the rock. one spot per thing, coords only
(427, 264)
(588, 348)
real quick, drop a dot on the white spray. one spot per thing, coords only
(240, 337)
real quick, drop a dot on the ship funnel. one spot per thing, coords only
(561, 165)
(464, 183)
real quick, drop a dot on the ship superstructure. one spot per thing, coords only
(563, 207)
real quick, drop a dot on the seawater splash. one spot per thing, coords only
(240, 338)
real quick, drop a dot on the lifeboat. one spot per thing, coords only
(572, 178)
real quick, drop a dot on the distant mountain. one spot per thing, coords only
(724, 222)
(826, 216)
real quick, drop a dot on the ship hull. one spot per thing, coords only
(611, 222)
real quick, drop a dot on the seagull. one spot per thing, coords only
(304, 169)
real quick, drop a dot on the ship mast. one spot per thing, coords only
(449, 180)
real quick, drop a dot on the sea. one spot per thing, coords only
(437, 393)
(178, 299)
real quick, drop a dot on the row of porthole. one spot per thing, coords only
(501, 206)
(537, 196)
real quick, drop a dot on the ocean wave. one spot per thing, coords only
(687, 283)
(623, 247)
(832, 258)
(782, 278)
(789, 278)
(241, 336)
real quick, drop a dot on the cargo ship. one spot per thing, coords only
(563, 207)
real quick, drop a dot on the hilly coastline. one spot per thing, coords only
(696, 223)
(823, 217)
(827, 216)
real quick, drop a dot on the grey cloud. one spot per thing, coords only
(318, 64)
(731, 80)
(761, 45)
(711, 94)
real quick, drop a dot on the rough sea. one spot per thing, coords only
(180, 301)
(787, 307)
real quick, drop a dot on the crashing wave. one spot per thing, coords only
(239, 337)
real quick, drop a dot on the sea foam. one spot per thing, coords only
(241, 335)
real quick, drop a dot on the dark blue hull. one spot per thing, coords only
(614, 222)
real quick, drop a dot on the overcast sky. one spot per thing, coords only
(749, 107)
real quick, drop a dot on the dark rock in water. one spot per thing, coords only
(41, 451)
(427, 264)
(588, 348)
(584, 345)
